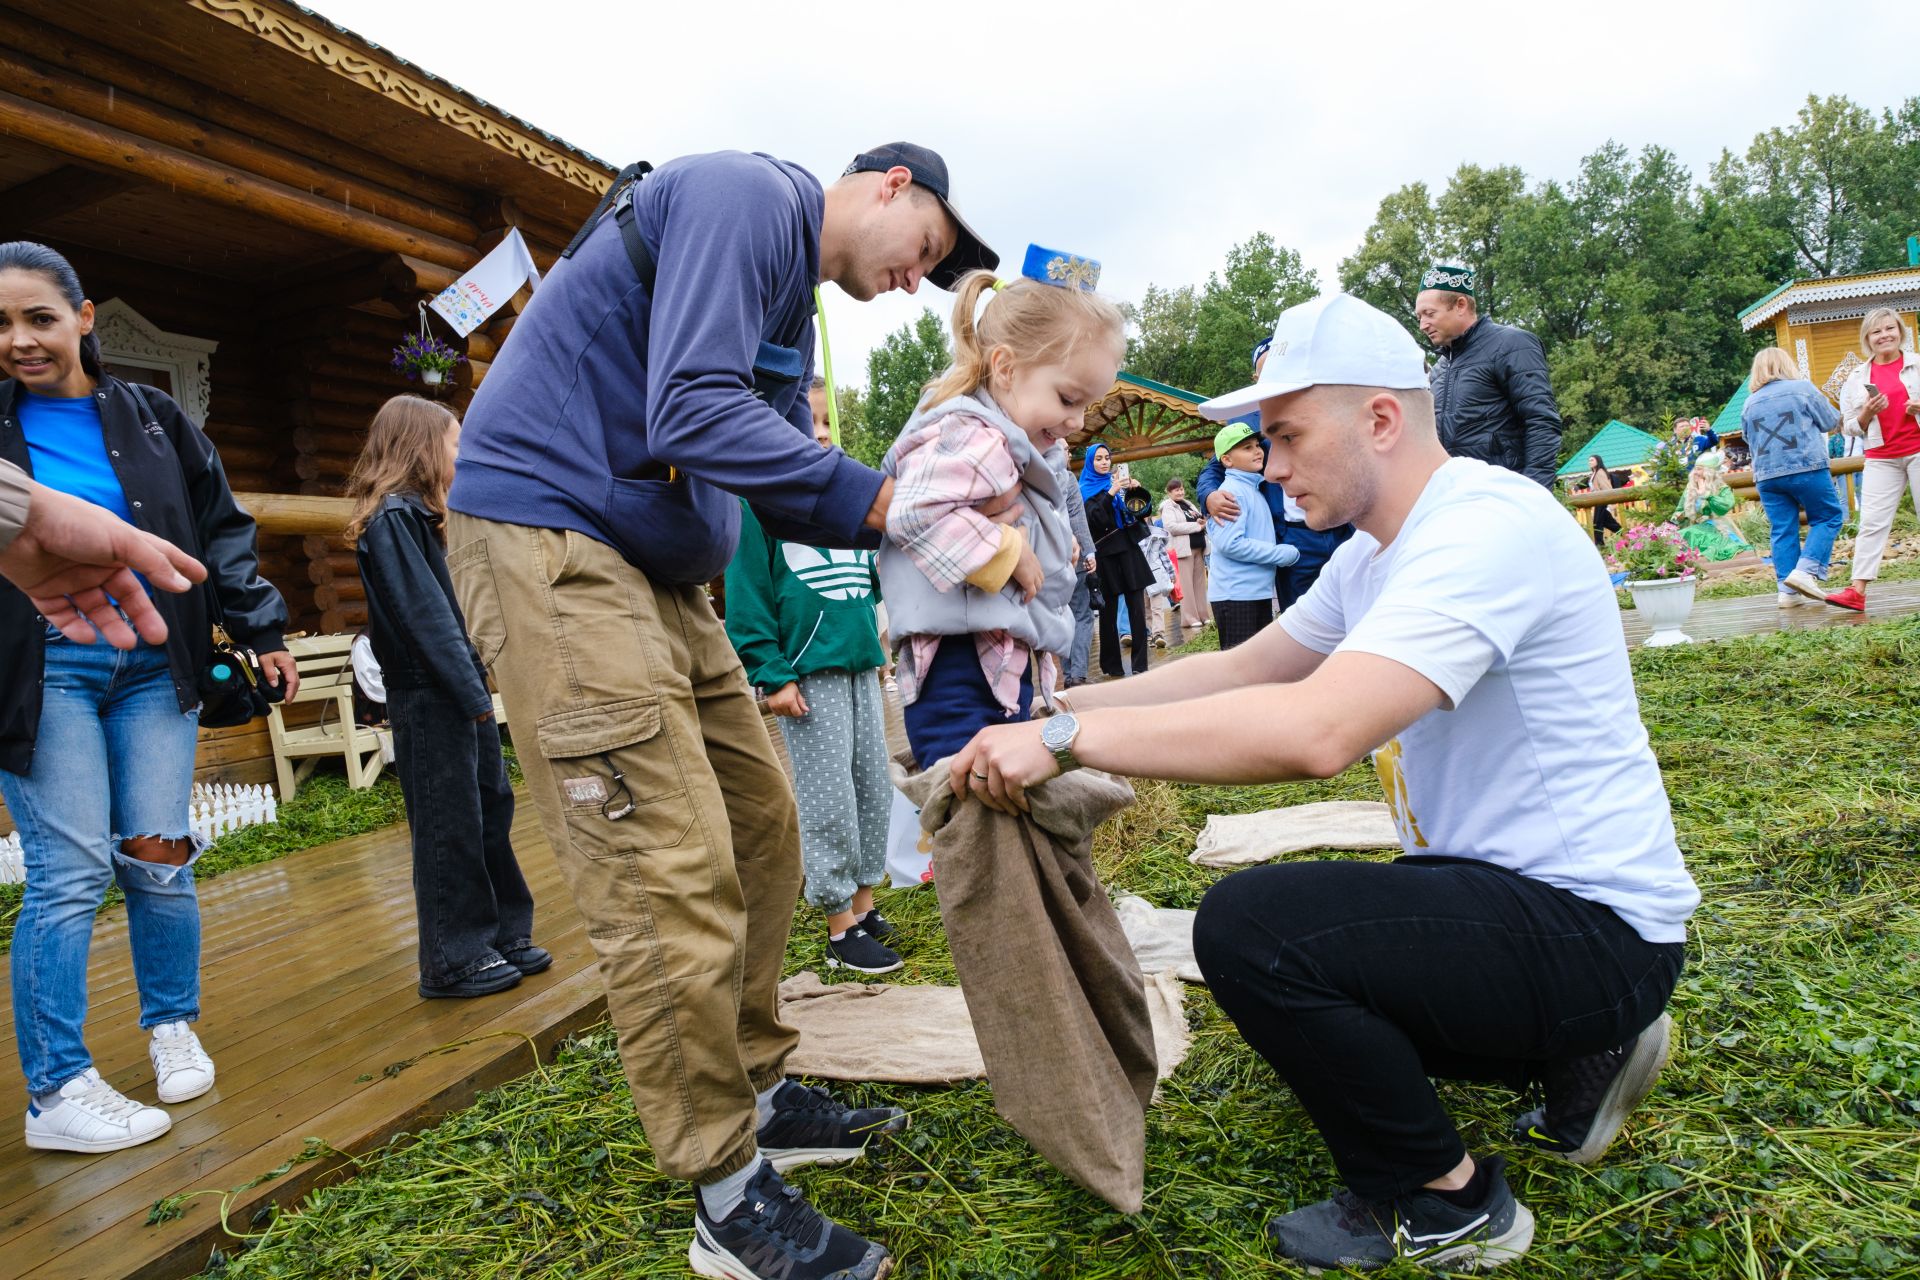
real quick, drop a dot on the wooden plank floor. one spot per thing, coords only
(308, 998)
(1758, 615)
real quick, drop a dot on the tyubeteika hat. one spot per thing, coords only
(1449, 279)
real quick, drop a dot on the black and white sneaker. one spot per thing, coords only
(775, 1234)
(878, 927)
(860, 951)
(811, 1126)
(1347, 1231)
(1589, 1098)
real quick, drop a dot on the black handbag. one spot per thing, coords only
(231, 689)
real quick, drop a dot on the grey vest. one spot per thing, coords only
(914, 607)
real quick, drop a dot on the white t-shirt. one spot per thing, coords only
(1541, 765)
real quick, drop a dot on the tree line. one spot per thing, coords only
(1631, 273)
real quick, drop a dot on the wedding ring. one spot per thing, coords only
(979, 775)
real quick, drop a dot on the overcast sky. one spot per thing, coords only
(1152, 137)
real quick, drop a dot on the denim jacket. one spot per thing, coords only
(1786, 425)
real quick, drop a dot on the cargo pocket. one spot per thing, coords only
(479, 596)
(619, 782)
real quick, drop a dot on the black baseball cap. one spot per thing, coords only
(970, 252)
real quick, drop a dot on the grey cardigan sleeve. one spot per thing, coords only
(1077, 517)
(16, 494)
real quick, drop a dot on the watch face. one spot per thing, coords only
(1058, 732)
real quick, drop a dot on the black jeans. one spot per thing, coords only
(470, 898)
(1357, 981)
(1240, 620)
(1137, 621)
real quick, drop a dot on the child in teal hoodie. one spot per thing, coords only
(804, 624)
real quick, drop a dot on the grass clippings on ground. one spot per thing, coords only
(1783, 1141)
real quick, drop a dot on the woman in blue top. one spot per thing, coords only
(96, 743)
(1786, 422)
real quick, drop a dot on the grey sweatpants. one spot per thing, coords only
(840, 784)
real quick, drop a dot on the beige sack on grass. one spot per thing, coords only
(1234, 840)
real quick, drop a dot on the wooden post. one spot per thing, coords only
(296, 513)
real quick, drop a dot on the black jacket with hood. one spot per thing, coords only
(176, 489)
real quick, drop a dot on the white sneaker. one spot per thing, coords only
(1790, 599)
(181, 1067)
(1804, 583)
(93, 1116)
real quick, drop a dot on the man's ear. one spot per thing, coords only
(894, 181)
(1386, 420)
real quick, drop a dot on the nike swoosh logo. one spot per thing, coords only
(1544, 1137)
(1443, 1237)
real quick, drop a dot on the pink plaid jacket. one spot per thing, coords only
(942, 470)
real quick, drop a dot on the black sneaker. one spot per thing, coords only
(498, 976)
(878, 927)
(775, 1234)
(1589, 1098)
(811, 1126)
(1348, 1231)
(529, 959)
(861, 952)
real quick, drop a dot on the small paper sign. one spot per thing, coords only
(467, 302)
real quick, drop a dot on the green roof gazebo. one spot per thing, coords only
(1140, 418)
(1618, 445)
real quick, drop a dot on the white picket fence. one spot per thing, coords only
(216, 809)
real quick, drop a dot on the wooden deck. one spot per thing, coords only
(1759, 615)
(308, 1001)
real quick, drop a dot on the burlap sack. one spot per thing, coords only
(1233, 840)
(1058, 1003)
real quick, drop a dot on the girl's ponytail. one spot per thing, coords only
(969, 367)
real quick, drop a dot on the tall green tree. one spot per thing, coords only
(1397, 248)
(1827, 180)
(1199, 339)
(898, 370)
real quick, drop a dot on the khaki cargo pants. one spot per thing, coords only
(670, 816)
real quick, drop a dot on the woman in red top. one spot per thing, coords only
(1881, 401)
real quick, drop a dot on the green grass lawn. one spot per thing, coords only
(1784, 1139)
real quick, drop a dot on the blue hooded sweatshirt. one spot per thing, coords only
(633, 417)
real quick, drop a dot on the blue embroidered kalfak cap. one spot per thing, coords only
(970, 252)
(1068, 270)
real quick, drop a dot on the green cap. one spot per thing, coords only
(1449, 278)
(1229, 436)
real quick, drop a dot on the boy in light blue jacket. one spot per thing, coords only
(1245, 552)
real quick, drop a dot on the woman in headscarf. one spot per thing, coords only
(1121, 566)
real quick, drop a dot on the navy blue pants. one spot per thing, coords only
(955, 703)
(1316, 547)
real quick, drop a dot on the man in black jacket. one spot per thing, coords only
(1491, 395)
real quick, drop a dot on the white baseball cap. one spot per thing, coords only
(1335, 339)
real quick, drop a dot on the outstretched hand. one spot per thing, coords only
(75, 561)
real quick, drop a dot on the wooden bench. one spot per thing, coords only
(326, 676)
(325, 664)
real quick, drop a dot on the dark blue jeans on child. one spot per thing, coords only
(956, 702)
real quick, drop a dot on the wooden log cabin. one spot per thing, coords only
(1818, 321)
(256, 201)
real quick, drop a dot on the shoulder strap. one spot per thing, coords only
(619, 198)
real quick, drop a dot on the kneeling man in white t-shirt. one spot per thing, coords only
(1535, 928)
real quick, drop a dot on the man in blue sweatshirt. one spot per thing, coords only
(1290, 525)
(661, 369)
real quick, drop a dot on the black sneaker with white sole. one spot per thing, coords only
(860, 951)
(1348, 1231)
(1589, 1098)
(811, 1126)
(774, 1234)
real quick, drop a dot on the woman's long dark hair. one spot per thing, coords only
(26, 255)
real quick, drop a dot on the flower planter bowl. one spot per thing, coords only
(433, 377)
(1665, 602)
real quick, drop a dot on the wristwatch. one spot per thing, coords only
(1057, 735)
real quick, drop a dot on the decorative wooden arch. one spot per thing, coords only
(1140, 418)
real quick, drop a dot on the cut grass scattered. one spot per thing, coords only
(1784, 1139)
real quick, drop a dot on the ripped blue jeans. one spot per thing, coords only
(113, 761)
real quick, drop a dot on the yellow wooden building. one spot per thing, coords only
(1818, 321)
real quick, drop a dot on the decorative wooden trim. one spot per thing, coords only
(129, 338)
(339, 52)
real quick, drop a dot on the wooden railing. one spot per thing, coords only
(296, 513)
(1741, 482)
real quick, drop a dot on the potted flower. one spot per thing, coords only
(1660, 566)
(425, 357)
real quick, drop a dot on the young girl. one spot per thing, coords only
(475, 913)
(980, 607)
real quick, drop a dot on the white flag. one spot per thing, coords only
(467, 302)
